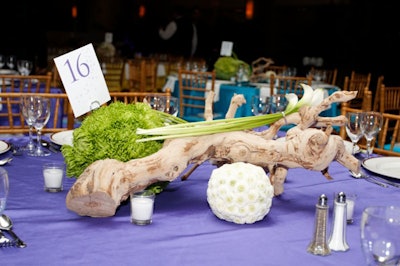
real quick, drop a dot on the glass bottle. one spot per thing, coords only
(318, 245)
(337, 240)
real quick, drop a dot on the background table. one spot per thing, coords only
(184, 229)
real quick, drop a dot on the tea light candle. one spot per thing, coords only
(53, 177)
(53, 174)
(142, 204)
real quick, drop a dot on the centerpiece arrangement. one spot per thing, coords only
(105, 183)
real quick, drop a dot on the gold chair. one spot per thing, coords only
(12, 121)
(113, 72)
(377, 92)
(289, 84)
(134, 97)
(194, 87)
(387, 143)
(142, 75)
(389, 99)
(359, 83)
(328, 76)
(30, 83)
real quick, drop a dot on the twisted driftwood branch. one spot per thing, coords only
(106, 183)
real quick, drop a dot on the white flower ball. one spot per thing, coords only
(240, 193)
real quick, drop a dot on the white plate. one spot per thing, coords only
(63, 137)
(8, 72)
(4, 146)
(387, 166)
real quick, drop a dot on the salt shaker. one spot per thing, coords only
(318, 245)
(337, 240)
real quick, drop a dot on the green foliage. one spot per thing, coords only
(226, 67)
(110, 132)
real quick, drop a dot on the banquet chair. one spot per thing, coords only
(113, 72)
(142, 74)
(387, 142)
(12, 120)
(289, 84)
(379, 83)
(30, 83)
(134, 97)
(193, 90)
(328, 76)
(389, 99)
(359, 83)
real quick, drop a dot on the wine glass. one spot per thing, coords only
(380, 235)
(170, 105)
(279, 103)
(353, 127)
(11, 61)
(27, 105)
(42, 114)
(260, 105)
(4, 187)
(2, 61)
(24, 67)
(371, 125)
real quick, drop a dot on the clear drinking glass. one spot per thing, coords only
(24, 67)
(371, 125)
(27, 105)
(4, 187)
(278, 103)
(11, 61)
(2, 60)
(380, 235)
(353, 127)
(42, 114)
(260, 105)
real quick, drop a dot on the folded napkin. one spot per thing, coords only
(170, 83)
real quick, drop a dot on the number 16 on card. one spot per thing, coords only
(83, 80)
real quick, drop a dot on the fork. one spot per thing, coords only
(374, 179)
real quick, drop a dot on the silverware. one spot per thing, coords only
(6, 224)
(4, 241)
(5, 161)
(374, 179)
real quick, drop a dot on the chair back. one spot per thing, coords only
(30, 83)
(142, 74)
(193, 90)
(357, 83)
(113, 72)
(379, 83)
(388, 139)
(389, 99)
(134, 97)
(289, 84)
(328, 76)
(12, 120)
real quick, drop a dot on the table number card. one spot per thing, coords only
(226, 48)
(83, 80)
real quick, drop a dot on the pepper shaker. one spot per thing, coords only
(318, 245)
(337, 240)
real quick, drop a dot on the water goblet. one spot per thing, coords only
(380, 235)
(42, 115)
(27, 106)
(4, 188)
(169, 105)
(260, 105)
(24, 67)
(353, 128)
(371, 125)
(11, 61)
(279, 103)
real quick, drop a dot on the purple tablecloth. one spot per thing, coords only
(184, 230)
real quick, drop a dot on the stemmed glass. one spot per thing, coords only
(24, 67)
(260, 105)
(4, 187)
(11, 61)
(279, 103)
(27, 105)
(371, 125)
(353, 128)
(2, 61)
(42, 114)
